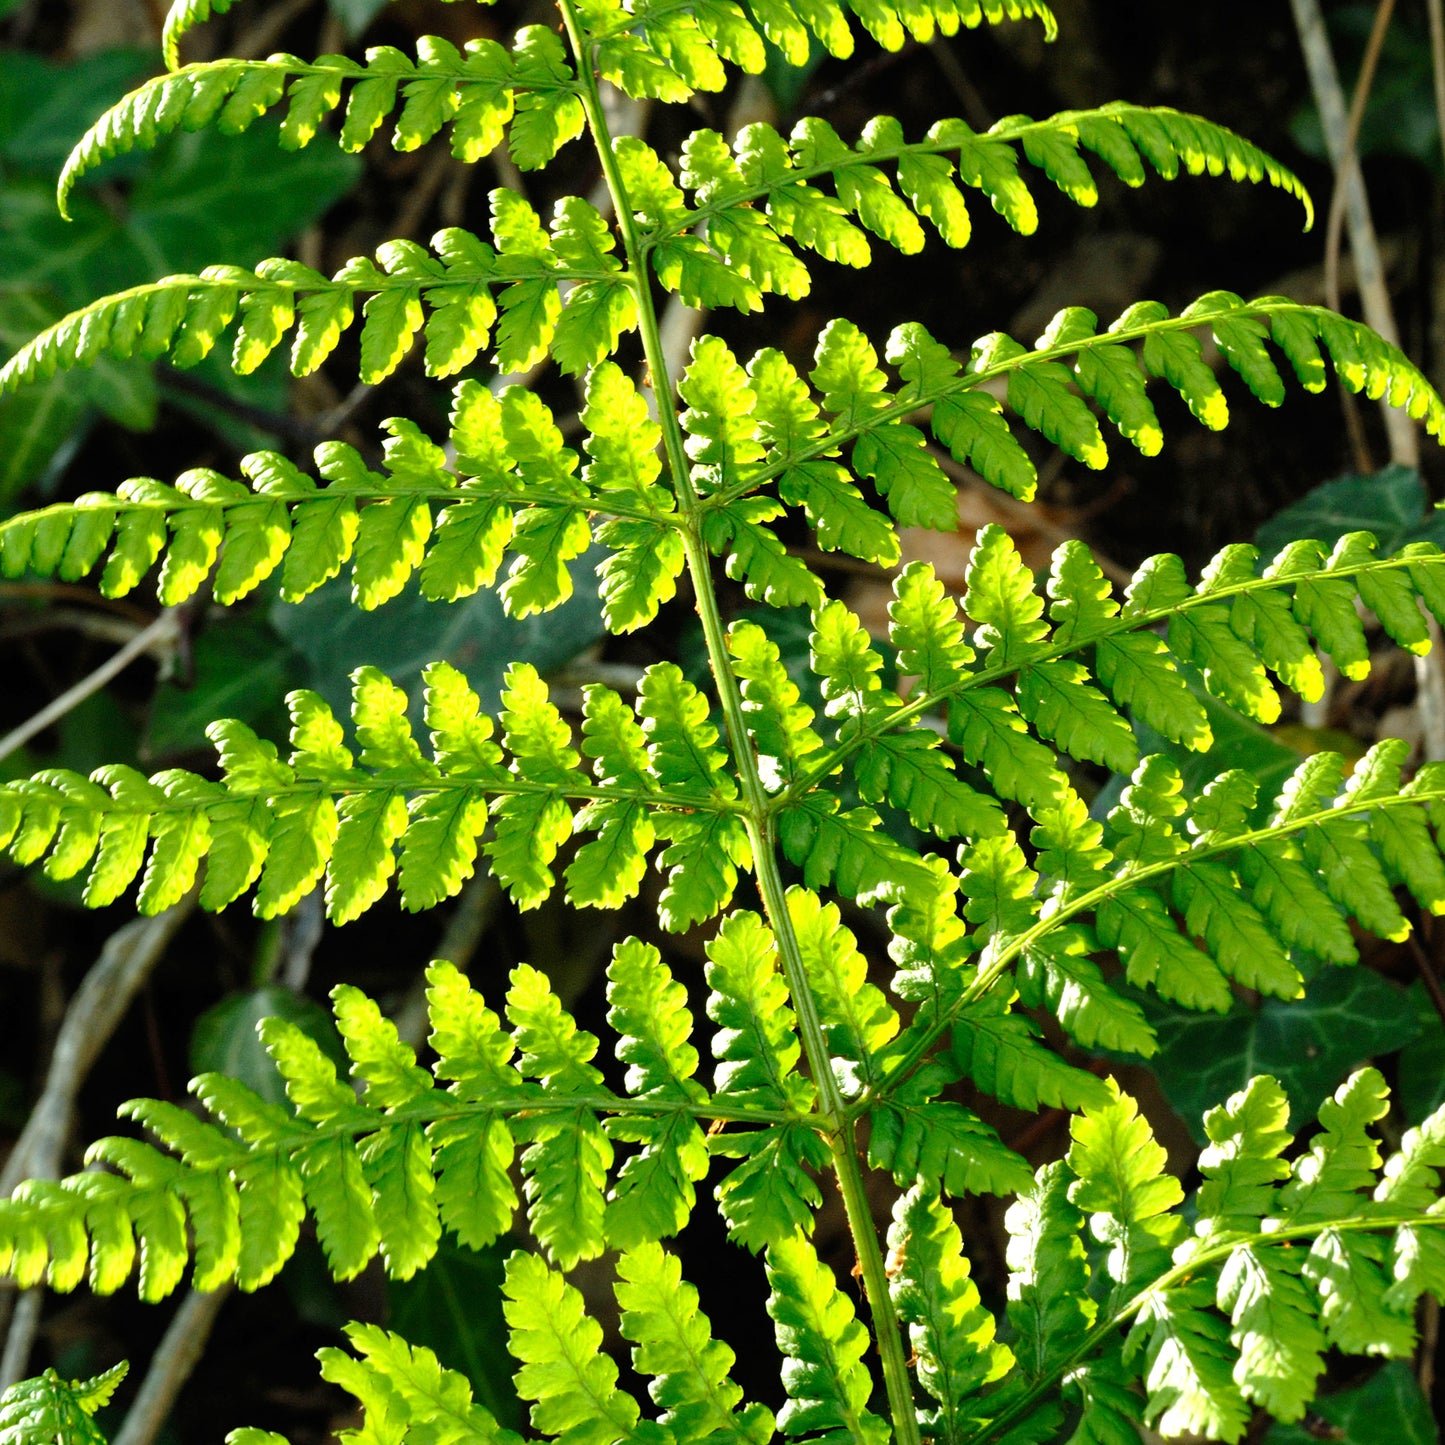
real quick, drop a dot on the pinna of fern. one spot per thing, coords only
(1125, 1304)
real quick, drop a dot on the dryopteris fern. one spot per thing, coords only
(1126, 1304)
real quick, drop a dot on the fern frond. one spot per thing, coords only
(284, 826)
(1153, 888)
(1238, 625)
(388, 1155)
(757, 202)
(760, 427)
(532, 293)
(486, 92)
(512, 491)
(654, 50)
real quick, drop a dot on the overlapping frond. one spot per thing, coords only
(525, 94)
(47, 1408)
(570, 1382)
(535, 291)
(1274, 1275)
(1252, 1296)
(1191, 898)
(505, 490)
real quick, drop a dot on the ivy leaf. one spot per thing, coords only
(1347, 1015)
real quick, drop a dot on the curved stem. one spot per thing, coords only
(1132, 876)
(758, 813)
(1048, 1383)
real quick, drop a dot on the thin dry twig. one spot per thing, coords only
(1436, 11)
(127, 960)
(1426, 970)
(1364, 245)
(1334, 227)
(162, 633)
(1403, 435)
(171, 1366)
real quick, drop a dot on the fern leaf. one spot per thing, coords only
(672, 1342)
(755, 556)
(951, 1332)
(416, 517)
(452, 295)
(1000, 1052)
(756, 1044)
(772, 1193)
(823, 1345)
(779, 722)
(48, 1408)
(858, 1021)
(474, 1190)
(757, 1049)
(940, 1143)
(1188, 1365)
(654, 1193)
(1059, 973)
(1411, 1181)
(848, 850)
(568, 1156)
(565, 1373)
(1281, 1348)
(1048, 1301)
(1123, 1184)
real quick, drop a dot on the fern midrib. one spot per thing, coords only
(1125, 621)
(87, 154)
(588, 502)
(349, 70)
(1009, 134)
(916, 399)
(344, 787)
(1047, 1384)
(838, 1124)
(440, 1105)
(913, 400)
(1131, 877)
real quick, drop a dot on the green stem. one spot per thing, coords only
(838, 1125)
